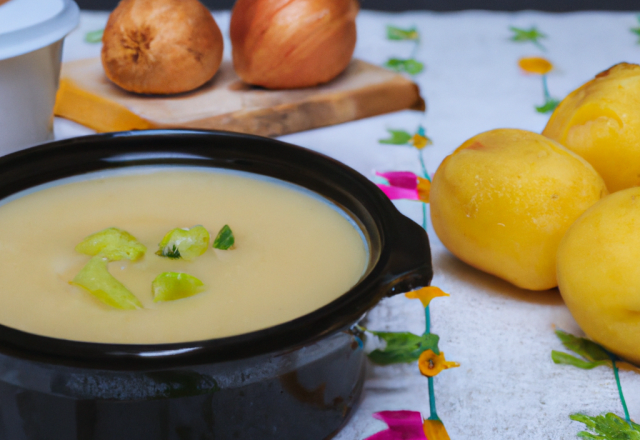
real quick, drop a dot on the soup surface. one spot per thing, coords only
(293, 254)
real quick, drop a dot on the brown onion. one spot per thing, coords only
(161, 46)
(285, 44)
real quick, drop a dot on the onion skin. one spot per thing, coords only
(161, 46)
(288, 44)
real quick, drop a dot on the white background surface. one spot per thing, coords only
(507, 386)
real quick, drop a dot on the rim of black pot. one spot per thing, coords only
(400, 257)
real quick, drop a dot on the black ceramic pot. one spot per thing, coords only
(297, 380)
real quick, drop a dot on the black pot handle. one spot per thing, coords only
(410, 264)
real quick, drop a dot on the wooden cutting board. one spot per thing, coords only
(226, 103)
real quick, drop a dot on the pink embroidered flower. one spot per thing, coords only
(403, 425)
(405, 185)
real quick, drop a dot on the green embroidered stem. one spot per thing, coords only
(617, 375)
(432, 393)
(424, 216)
(424, 168)
(427, 321)
(414, 52)
(545, 88)
(432, 401)
(539, 45)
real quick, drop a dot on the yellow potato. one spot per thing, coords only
(504, 199)
(599, 272)
(600, 122)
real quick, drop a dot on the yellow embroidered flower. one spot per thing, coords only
(426, 294)
(435, 430)
(424, 189)
(419, 141)
(431, 364)
(535, 65)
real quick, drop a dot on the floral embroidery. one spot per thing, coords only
(594, 354)
(609, 426)
(434, 430)
(405, 185)
(540, 66)
(408, 65)
(403, 346)
(403, 425)
(532, 35)
(420, 141)
(431, 364)
(94, 36)
(535, 65)
(426, 294)
(636, 30)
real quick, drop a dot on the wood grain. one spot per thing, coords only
(226, 103)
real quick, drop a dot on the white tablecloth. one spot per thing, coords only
(507, 386)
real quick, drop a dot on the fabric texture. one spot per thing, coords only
(507, 386)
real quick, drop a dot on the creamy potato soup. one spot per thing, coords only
(293, 253)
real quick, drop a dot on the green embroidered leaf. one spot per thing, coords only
(395, 33)
(582, 346)
(94, 36)
(636, 30)
(225, 239)
(549, 106)
(410, 66)
(607, 427)
(398, 137)
(561, 358)
(532, 35)
(402, 347)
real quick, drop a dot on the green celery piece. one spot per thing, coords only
(169, 286)
(402, 347)
(94, 36)
(398, 137)
(185, 243)
(582, 346)
(113, 244)
(607, 427)
(96, 279)
(395, 33)
(225, 239)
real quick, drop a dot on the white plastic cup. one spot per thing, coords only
(31, 34)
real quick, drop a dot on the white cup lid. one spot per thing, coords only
(27, 25)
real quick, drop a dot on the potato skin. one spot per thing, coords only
(287, 44)
(599, 275)
(161, 46)
(503, 200)
(600, 122)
